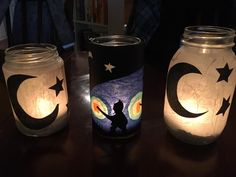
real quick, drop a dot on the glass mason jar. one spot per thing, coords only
(36, 82)
(200, 84)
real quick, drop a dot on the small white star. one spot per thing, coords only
(90, 55)
(109, 67)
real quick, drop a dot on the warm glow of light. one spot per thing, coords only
(200, 82)
(138, 106)
(192, 106)
(44, 107)
(95, 107)
(204, 50)
(135, 107)
(87, 98)
(95, 103)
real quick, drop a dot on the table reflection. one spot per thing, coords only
(81, 85)
(188, 160)
(113, 157)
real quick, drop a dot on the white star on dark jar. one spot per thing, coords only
(109, 67)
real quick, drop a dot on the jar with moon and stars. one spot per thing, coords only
(36, 83)
(200, 84)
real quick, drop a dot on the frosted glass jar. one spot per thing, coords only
(200, 84)
(36, 82)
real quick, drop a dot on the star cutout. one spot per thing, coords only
(109, 67)
(224, 106)
(224, 73)
(58, 86)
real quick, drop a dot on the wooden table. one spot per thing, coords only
(77, 152)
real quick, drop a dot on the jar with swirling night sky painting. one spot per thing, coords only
(36, 83)
(200, 84)
(116, 85)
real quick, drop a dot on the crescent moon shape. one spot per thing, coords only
(174, 75)
(13, 83)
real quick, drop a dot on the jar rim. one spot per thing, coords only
(115, 40)
(28, 48)
(30, 52)
(209, 36)
(210, 31)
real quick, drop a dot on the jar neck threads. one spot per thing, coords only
(30, 53)
(208, 36)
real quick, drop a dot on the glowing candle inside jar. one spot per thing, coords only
(200, 84)
(43, 107)
(36, 82)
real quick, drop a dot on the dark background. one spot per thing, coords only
(176, 15)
